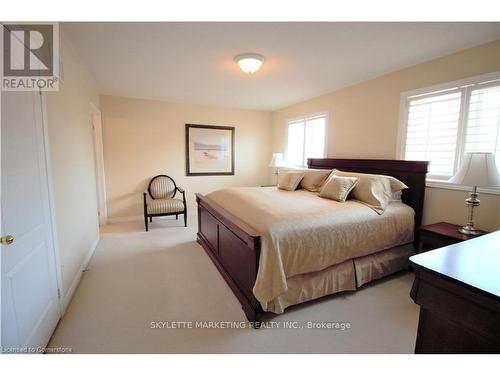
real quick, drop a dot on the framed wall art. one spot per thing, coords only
(209, 150)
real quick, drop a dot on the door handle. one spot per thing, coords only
(6, 240)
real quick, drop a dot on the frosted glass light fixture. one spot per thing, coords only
(249, 62)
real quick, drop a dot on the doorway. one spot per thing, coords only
(96, 123)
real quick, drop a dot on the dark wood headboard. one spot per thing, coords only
(412, 173)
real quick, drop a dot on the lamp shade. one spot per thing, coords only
(277, 160)
(477, 169)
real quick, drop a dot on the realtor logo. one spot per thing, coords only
(30, 57)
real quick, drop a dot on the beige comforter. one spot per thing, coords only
(304, 233)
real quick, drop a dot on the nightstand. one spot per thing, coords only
(442, 234)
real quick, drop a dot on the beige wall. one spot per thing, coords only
(364, 122)
(143, 138)
(72, 163)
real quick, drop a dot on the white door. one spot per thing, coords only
(30, 304)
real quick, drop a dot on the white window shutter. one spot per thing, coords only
(483, 121)
(295, 143)
(306, 139)
(314, 146)
(432, 131)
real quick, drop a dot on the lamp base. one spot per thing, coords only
(472, 201)
(471, 231)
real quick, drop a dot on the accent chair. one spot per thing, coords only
(159, 199)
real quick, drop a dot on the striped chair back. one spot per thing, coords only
(162, 187)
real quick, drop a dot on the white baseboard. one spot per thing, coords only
(74, 284)
(125, 219)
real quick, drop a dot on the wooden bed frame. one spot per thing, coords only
(234, 247)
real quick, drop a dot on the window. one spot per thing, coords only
(440, 126)
(306, 139)
(483, 121)
(432, 131)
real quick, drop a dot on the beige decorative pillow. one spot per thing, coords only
(314, 179)
(373, 189)
(338, 188)
(289, 180)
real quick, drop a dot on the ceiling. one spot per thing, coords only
(193, 62)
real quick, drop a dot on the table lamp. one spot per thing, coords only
(277, 162)
(477, 169)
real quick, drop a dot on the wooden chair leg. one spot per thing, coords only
(146, 222)
(151, 219)
(185, 219)
(176, 217)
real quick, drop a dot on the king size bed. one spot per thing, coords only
(277, 248)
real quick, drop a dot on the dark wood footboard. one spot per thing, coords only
(234, 248)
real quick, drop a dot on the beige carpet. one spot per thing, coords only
(137, 278)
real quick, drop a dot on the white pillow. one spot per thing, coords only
(397, 196)
(374, 190)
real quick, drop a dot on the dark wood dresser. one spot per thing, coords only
(458, 290)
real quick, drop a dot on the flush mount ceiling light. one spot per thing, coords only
(249, 62)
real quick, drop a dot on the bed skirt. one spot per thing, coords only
(346, 276)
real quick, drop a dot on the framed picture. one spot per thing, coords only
(209, 150)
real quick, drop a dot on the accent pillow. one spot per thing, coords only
(338, 188)
(373, 189)
(314, 179)
(289, 180)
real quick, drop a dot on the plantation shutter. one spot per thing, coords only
(483, 121)
(432, 131)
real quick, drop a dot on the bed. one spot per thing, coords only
(248, 231)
